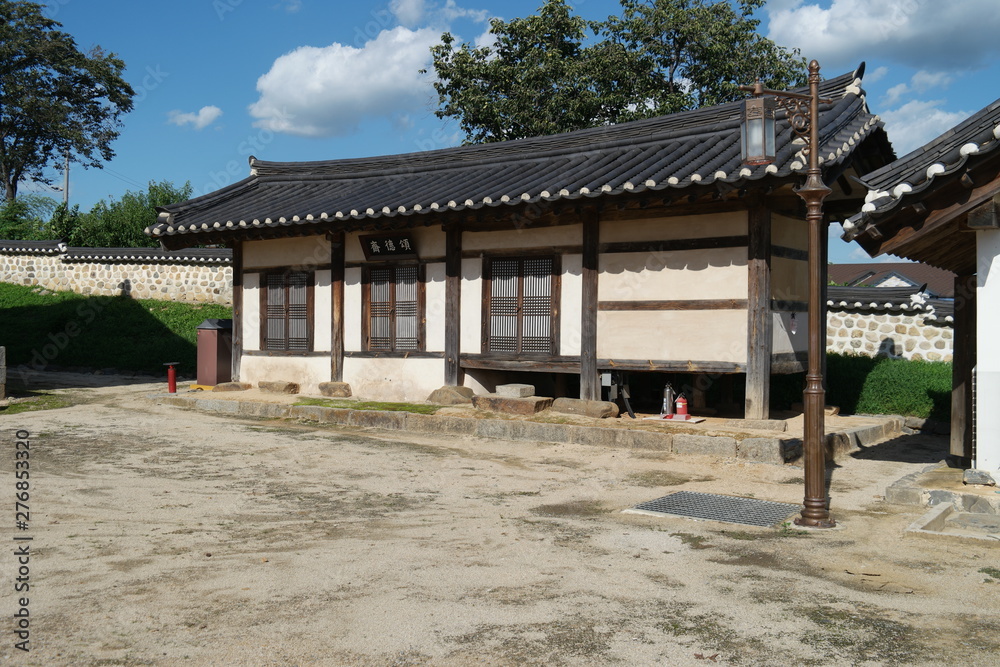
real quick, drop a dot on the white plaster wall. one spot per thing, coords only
(434, 307)
(472, 305)
(988, 352)
(685, 274)
(523, 238)
(697, 335)
(789, 232)
(307, 371)
(322, 312)
(681, 227)
(352, 309)
(307, 252)
(396, 379)
(570, 312)
(251, 311)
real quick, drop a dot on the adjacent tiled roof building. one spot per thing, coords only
(940, 283)
(948, 169)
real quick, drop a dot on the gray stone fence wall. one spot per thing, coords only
(914, 333)
(199, 275)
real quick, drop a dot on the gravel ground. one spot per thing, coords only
(164, 536)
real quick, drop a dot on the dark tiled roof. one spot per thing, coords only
(939, 282)
(150, 255)
(32, 247)
(889, 299)
(903, 181)
(695, 148)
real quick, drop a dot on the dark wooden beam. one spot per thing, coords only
(963, 361)
(452, 306)
(590, 384)
(671, 365)
(986, 215)
(550, 364)
(237, 309)
(759, 318)
(336, 306)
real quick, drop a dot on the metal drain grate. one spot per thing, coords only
(729, 509)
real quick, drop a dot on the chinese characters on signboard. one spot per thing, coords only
(396, 246)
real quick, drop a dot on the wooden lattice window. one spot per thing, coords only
(287, 311)
(521, 305)
(393, 304)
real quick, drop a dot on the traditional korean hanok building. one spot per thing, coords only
(644, 247)
(940, 205)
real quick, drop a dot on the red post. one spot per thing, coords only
(171, 376)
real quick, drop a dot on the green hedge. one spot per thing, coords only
(881, 386)
(65, 329)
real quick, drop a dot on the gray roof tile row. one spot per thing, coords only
(694, 148)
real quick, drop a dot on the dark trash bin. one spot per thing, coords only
(215, 352)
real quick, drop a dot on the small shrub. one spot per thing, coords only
(889, 386)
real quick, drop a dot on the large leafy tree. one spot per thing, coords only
(55, 100)
(119, 223)
(554, 72)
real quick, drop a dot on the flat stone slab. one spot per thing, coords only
(511, 406)
(335, 389)
(975, 476)
(232, 386)
(578, 406)
(450, 395)
(278, 387)
(515, 390)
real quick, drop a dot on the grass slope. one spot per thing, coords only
(41, 329)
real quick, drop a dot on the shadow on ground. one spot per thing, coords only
(906, 449)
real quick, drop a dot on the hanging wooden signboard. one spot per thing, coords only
(393, 246)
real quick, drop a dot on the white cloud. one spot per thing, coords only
(916, 33)
(876, 74)
(199, 119)
(290, 6)
(321, 92)
(917, 122)
(409, 13)
(451, 11)
(921, 82)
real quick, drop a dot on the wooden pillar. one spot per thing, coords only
(963, 361)
(590, 384)
(237, 309)
(452, 306)
(336, 306)
(759, 318)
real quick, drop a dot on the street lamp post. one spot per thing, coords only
(803, 114)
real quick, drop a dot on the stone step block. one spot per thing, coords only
(511, 406)
(515, 390)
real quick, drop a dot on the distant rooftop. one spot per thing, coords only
(940, 283)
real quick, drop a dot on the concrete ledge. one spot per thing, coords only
(966, 525)
(774, 450)
(766, 450)
(705, 445)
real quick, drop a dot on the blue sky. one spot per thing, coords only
(220, 80)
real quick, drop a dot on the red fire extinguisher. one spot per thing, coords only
(682, 407)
